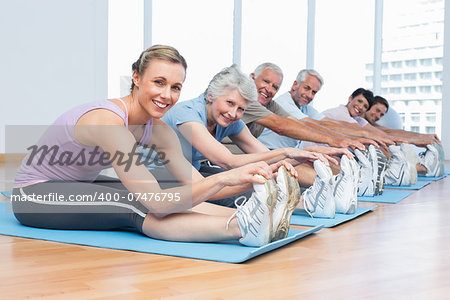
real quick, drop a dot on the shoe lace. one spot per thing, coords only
(422, 154)
(240, 208)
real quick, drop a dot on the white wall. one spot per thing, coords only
(53, 56)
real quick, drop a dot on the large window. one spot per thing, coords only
(202, 30)
(125, 43)
(411, 66)
(275, 32)
(344, 45)
(413, 30)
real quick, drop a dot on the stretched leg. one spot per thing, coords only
(98, 215)
(306, 175)
(191, 227)
(76, 205)
(213, 210)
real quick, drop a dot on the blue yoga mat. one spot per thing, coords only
(417, 186)
(301, 217)
(230, 252)
(447, 172)
(388, 196)
(431, 178)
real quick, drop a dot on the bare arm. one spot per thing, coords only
(369, 135)
(247, 142)
(299, 130)
(218, 154)
(418, 139)
(112, 137)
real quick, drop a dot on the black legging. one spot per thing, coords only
(208, 169)
(121, 211)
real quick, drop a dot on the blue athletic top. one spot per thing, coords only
(194, 110)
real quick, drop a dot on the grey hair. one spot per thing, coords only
(268, 65)
(232, 78)
(305, 72)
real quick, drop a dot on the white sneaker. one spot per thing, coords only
(371, 154)
(318, 199)
(398, 171)
(441, 157)
(356, 170)
(413, 159)
(382, 162)
(430, 159)
(254, 215)
(344, 191)
(287, 200)
(366, 184)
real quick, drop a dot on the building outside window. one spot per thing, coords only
(413, 47)
(430, 117)
(430, 129)
(426, 62)
(425, 89)
(395, 77)
(395, 90)
(410, 89)
(425, 75)
(410, 76)
(411, 63)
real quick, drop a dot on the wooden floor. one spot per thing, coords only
(399, 251)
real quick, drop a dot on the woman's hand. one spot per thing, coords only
(245, 174)
(304, 156)
(331, 151)
(287, 165)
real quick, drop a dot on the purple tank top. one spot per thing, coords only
(72, 161)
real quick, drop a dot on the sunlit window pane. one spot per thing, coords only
(275, 32)
(413, 34)
(344, 48)
(202, 30)
(125, 43)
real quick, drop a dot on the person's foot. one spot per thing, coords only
(381, 170)
(412, 158)
(398, 171)
(430, 159)
(318, 198)
(356, 171)
(254, 215)
(441, 157)
(343, 191)
(287, 199)
(366, 184)
(371, 154)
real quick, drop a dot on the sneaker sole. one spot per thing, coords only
(282, 229)
(382, 163)
(271, 201)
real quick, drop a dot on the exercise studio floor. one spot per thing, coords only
(399, 250)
